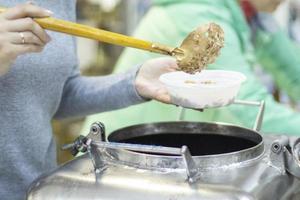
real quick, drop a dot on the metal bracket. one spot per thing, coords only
(277, 154)
(191, 169)
(285, 158)
(260, 114)
(99, 163)
(184, 152)
(97, 132)
(96, 158)
(259, 117)
(292, 159)
(94, 143)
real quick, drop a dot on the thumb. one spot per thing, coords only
(163, 96)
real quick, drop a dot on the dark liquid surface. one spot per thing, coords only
(198, 144)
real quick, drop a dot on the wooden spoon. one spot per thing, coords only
(189, 55)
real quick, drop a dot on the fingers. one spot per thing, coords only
(27, 48)
(20, 34)
(168, 61)
(28, 24)
(29, 38)
(168, 64)
(173, 64)
(26, 10)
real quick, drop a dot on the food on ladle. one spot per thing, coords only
(200, 48)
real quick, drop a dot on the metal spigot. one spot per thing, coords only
(97, 133)
(79, 145)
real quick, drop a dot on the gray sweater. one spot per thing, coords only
(43, 86)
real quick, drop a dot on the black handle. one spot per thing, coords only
(79, 145)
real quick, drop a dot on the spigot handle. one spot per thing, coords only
(79, 145)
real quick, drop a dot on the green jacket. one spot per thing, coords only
(169, 21)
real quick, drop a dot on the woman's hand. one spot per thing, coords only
(20, 34)
(147, 80)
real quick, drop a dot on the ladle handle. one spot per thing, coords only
(81, 30)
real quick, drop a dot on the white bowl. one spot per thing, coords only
(209, 88)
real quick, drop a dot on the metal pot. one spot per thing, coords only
(177, 160)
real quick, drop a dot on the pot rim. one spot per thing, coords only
(204, 162)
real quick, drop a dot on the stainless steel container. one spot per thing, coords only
(142, 162)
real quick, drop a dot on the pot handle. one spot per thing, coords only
(259, 117)
(260, 114)
(284, 155)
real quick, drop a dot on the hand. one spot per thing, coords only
(147, 80)
(20, 34)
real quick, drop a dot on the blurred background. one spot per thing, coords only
(122, 16)
(96, 58)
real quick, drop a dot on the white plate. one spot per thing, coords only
(209, 88)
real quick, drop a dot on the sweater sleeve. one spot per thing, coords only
(87, 95)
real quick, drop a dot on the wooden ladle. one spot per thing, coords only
(196, 51)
